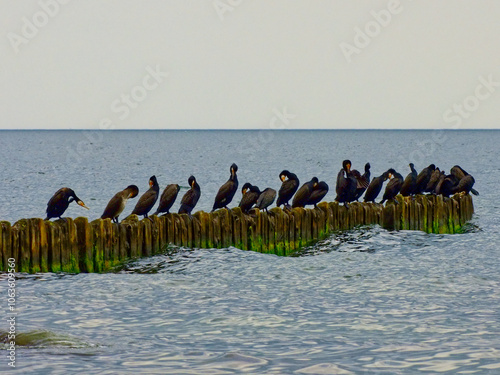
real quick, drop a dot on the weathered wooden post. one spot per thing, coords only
(84, 239)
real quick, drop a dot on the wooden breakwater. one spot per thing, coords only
(81, 246)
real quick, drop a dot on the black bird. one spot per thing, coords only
(446, 185)
(423, 179)
(410, 182)
(431, 185)
(375, 187)
(290, 184)
(393, 187)
(363, 181)
(304, 193)
(467, 184)
(318, 193)
(346, 184)
(117, 204)
(227, 191)
(60, 202)
(251, 194)
(168, 198)
(148, 199)
(266, 198)
(189, 200)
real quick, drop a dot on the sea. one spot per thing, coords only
(364, 301)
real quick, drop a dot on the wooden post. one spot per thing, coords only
(84, 239)
(98, 244)
(6, 246)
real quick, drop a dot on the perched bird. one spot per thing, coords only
(446, 185)
(467, 184)
(375, 187)
(363, 181)
(346, 184)
(410, 182)
(168, 198)
(117, 204)
(393, 187)
(226, 192)
(431, 185)
(148, 199)
(423, 179)
(191, 197)
(250, 194)
(318, 193)
(266, 198)
(304, 193)
(60, 202)
(290, 184)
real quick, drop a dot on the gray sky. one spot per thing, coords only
(249, 64)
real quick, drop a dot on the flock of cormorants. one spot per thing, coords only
(351, 185)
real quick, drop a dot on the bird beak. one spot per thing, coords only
(348, 167)
(83, 205)
(315, 184)
(283, 178)
(150, 184)
(245, 191)
(390, 176)
(192, 184)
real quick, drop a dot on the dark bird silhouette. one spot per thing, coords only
(167, 199)
(304, 193)
(466, 185)
(346, 184)
(431, 185)
(117, 204)
(393, 187)
(446, 185)
(266, 198)
(410, 182)
(423, 179)
(375, 187)
(148, 199)
(226, 192)
(60, 202)
(318, 193)
(189, 200)
(363, 181)
(250, 196)
(290, 184)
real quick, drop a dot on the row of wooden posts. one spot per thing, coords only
(78, 245)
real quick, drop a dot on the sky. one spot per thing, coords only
(249, 64)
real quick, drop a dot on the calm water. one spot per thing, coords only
(366, 301)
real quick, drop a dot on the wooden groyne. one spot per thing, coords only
(81, 246)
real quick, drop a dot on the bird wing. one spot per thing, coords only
(341, 181)
(226, 192)
(146, 202)
(112, 209)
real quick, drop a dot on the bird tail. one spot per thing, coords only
(474, 191)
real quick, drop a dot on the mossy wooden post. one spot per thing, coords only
(271, 233)
(6, 246)
(202, 218)
(291, 231)
(389, 216)
(245, 220)
(107, 233)
(69, 249)
(124, 243)
(235, 217)
(306, 227)
(280, 232)
(297, 218)
(54, 239)
(155, 234)
(226, 226)
(24, 245)
(216, 230)
(98, 244)
(254, 231)
(39, 246)
(197, 232)
(187, 230)
(147, 238)
(84, 239)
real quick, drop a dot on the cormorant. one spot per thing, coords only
(393, 187)
(446, 185)
(148, 199)
(288, 188)
(117, 204)
(346, 184)
(191, 197)
(410, 182)
(423, 179)
(375, 187)
(266, 198)
(168, 198)
(304, 193)
(226, 192)
(60, 202)
(363, 181)
(250, 196)
(467, 184)
(431, 185)
(318, 193)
